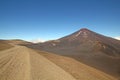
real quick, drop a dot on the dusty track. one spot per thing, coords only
(20, 63)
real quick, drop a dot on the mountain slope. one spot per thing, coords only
(88, 47)
(78, 70)
(84, 40)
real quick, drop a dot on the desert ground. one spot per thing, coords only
(22, 63)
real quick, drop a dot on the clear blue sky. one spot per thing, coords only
(52, 19)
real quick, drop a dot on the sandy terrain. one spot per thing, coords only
(21, 63)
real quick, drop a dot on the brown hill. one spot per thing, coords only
(17, 42)
(4, 45)
(88, 47)
(21, 63)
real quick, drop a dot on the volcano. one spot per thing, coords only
(88, 47)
